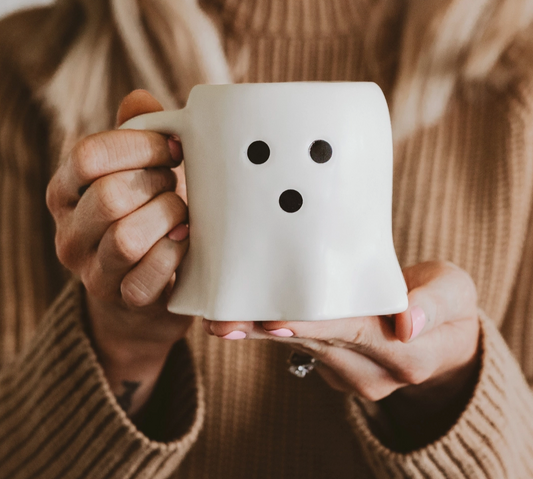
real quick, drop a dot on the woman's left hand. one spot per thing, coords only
(427, 354)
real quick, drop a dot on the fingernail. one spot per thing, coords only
(175, 150)
(179, 233)
(418, 321)
(281, 333)
(235, 335)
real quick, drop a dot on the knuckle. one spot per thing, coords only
(358, 335)
(113, 197)
(144, 146)
(86, 157)
(96, 154)
(127, 244)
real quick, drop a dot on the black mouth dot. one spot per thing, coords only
(291, 201)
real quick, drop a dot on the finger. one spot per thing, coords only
(351, 371)
(361, 333)
(365, 335)
(127, 240)
(104, 153)
(115, 196)
(109, 152)
(145, 283)
(371, 336)
(374, 338)
(343, 370)
(139, 102)
(440, 292)
(346, 369)
(130, 238)
(230, 329)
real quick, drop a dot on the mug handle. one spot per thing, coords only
(165, 122)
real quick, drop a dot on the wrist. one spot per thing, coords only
(119, 339)
(131, 364)
(131, 370)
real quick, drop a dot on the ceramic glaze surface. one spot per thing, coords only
(290, 199)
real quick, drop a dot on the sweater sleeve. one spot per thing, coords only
(59, 418)
(492, 438)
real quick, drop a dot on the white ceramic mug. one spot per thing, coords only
(290, 198)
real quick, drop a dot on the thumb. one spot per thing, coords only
(135, 104)
(439, 292)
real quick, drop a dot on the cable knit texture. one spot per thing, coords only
(462, 192)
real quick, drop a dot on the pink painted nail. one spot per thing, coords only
(418, 321)
(235, 335)
(281, 333)
(179, 233)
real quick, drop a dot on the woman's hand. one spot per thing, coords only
(121, 227)
(424, 361)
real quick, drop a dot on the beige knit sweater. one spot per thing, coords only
(463, 192)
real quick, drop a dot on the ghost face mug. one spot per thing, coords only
(290, 197)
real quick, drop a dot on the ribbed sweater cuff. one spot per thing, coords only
(492, 438)
(59, 418)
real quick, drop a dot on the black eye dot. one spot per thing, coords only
(258, 152)
(320, 151)
(291, 201)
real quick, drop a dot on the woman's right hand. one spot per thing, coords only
(121, 227)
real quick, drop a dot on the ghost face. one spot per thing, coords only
(290, 200)
(290, 189)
